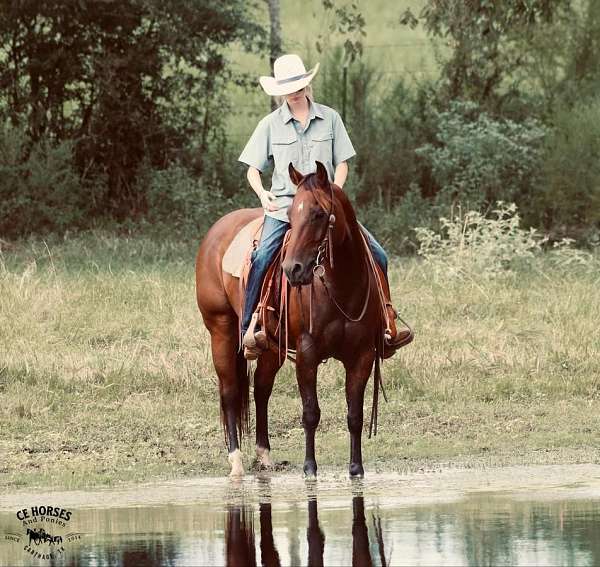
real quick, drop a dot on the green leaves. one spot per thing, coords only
(478, 160)
(480, 33)
(348, 22)
(111, 64)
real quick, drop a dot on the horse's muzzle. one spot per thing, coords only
(298, 273)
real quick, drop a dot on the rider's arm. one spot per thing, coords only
(253, 176)
(341, 172)
(342, 150)
(266, 197)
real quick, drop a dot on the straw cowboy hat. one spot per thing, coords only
(290, 76)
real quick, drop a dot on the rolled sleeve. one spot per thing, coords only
(343, 149)
(257, 152)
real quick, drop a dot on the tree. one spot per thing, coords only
(275, 37)
(479, 35)
(130, 81)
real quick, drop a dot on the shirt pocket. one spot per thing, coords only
(322, 147)
(285, 150)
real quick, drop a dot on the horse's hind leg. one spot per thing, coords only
(233, 385)
(266, 369)
(357, 376)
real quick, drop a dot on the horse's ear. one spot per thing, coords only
(322, 175)
(295, 175)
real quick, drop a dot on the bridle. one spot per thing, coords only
(325, 251)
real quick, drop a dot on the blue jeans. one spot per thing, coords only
(270, 242)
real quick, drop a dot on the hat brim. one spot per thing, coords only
(273, 88)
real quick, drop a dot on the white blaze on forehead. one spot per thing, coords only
(300, 207)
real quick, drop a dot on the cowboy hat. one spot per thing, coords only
(290, 76)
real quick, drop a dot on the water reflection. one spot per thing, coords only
(240, 537)
(320, 526)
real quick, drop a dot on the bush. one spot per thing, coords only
(478, 160)
(40, 190)
(180, 202)
(395, 227)
(475, 246)
(569, 195)
(383, 124)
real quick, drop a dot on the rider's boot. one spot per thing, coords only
(254, 342)
(394, 338)
(251, 349)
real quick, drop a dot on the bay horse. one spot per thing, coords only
(334, 311)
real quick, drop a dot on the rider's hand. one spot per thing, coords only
(267, 200)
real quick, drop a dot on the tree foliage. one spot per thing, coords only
(477, 160)
(126, 80)
(349, 23)
(480, 35)
(568, 199)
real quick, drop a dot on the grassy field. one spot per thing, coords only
(106, 376)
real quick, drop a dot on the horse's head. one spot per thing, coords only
(311, 213)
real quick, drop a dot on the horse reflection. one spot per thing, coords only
(240, 538)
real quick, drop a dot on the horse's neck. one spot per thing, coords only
(349, 274)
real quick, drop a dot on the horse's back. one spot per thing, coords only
(217, 293)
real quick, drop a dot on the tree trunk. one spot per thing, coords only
(275, 37)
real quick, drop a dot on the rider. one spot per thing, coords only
(302, 132)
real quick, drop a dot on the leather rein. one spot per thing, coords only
(325, 250)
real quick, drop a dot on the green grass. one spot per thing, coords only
(106, 376)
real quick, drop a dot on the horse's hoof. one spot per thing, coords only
(356, 470)
(237, 467)
(265, 462)
(310, 469)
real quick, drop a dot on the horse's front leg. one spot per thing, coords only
(358, 371)
(307, 363)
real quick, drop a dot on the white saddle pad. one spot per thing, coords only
(235, 256)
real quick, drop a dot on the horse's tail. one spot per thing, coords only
(242, 400)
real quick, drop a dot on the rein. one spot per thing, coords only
(324, 250)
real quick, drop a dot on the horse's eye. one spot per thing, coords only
(317, 215)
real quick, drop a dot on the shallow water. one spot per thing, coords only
(514, 515)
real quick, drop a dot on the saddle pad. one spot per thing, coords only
(236, 255)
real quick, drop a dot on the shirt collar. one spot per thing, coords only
(313, 111)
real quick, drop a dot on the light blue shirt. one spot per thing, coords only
(280, 139)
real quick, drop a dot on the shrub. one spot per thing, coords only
(383, 124)
(478, 160)
(569, 195)
(40, 190)
(475, 245)
(395, 227)
(180, 203)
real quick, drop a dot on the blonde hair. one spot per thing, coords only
(308, 91)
